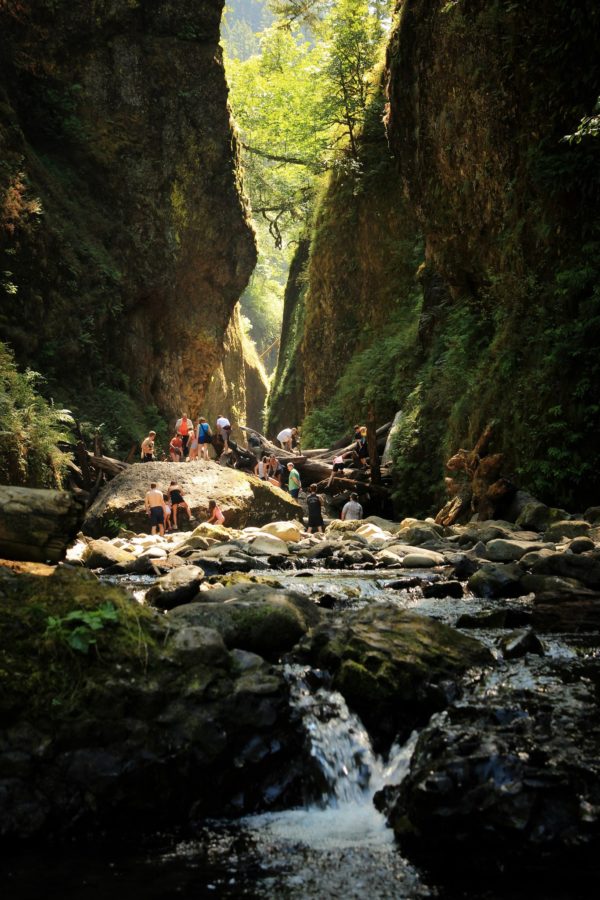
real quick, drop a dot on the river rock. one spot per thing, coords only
(538, 517)
(269, 545)
(497, 580)
(584, 567)
(285, 531)
(101, 554)
(502, 550)
(176, 588)
(592, 515)
(388, 559)
(581, 545)
(244, 500)
(372, 533)
(484, 532)
(393, 667)
(519, 643)
(570, 528)
(420, 533)
(423, 559)
(441, 589)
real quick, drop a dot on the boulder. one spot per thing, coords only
(592, 515)
(244, 499)
(392, 666)
(441, 589)
(423, 559)
(388, 559)
(581, 545)
(537, 516)
(519, 643)
(420, 533)
(569, 528)
(372, 533)
(484, 532)
(269, 545)
(176, 588)
(497, 580)
(101, 554)
(502, 550)
(584, 567)
(285, 531)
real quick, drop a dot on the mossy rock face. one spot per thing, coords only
(137, 725)
(393, 667)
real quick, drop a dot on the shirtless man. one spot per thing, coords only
(147, 453)
(155, 507)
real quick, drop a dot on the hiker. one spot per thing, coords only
(147, 450)
(224, 430)
(168, 510)
(184, 428)
(176, 448)
(204, 437)
(155, 507)
(176, 497)
(261, 468)
(338, 466)
(254, 444)
(315, 511)
(294, 483)
(275, 472)
(193, 454)
(286, 438)
(352, 509)
(216, 516)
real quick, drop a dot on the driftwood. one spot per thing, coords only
(37, 525)
(475, 484)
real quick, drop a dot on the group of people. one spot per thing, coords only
(163, 508)
(190, 441)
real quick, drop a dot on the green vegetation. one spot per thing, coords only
(30, 429)
(78, 628)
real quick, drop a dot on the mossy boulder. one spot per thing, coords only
(393, 667)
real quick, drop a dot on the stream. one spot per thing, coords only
(338, 846)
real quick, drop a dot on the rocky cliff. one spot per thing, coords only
(481, 96)
(125, 236)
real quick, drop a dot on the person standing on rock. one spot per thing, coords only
(204, 437)
(184, 428)
(176, 448)
(147, 451)
(294, 483)
(176, 498)
(352, 509)
(275, 472)
(224, 430)
(216, 517)
(193, 454)
(155, 507)
(315, 511)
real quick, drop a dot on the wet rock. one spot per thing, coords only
(497, 580)
(176, 588)
(388, 559)
(101, 554)
(521, 642)
(194, 645)
(581, 545)
(583, 567)
(464, 566)
(443, 589)
(393, 667)
(570, 528)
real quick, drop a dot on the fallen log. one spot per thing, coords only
(107, 465)
(37, 525)
(349, 484)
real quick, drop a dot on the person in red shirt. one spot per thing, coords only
(184, 428)
(176, 448)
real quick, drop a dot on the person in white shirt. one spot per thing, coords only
(224, 429)
(352, 509)
(286, 437)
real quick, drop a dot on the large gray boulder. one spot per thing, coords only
(244, 499)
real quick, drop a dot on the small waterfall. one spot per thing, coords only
(341, 745)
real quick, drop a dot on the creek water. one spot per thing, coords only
(339, 846)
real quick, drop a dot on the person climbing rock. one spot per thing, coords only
(216, 517)
(176, 448)
(339, 465)
(168, 510)
(175, 493)
(204, 437)
(315, 511)
(352, 509)
(286, 437)
(147, 449)
(261, 468)
(184, 428)
(294, 483)
(224, 430)
(155, 507)
(275, 472)
(361, 449)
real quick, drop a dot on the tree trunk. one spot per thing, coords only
(37, 525)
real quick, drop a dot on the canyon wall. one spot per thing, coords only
(504, 207)
(125, 238)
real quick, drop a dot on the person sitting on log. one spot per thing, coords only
(216, 517)
(315, 511)
(352, 509)
(175, 493)
(147, 450)
(155, 507)
(176, 448)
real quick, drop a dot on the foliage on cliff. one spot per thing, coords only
(30, 429)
